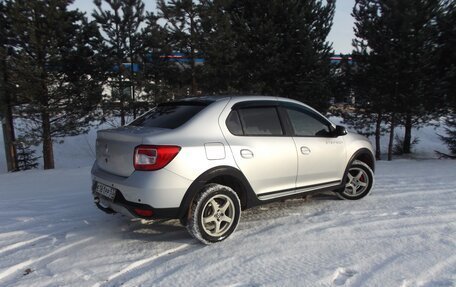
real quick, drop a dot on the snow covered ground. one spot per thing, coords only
(403, 234)
(76, 151)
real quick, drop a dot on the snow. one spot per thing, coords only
(428, 141)
(76, 151)
(427, 135)
(403, 234)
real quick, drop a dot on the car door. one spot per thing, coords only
(321, 155)
(260, 147)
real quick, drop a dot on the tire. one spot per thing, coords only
(214, 214)
(358, 182)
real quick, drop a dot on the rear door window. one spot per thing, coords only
(170, 115)
(261, 121)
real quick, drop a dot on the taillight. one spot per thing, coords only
(151, 157)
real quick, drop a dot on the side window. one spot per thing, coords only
(260, 121)
(305, 123)
(234, 124)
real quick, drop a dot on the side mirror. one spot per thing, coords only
(340, 131)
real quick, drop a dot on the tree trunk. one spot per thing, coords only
(9, 138)
(391, 138)
(377, 136)
(48, 152)
(133, 101)
(122, 101)
(192, 52)
(132, 82)
(406, 148)
(193, 77)
(7, 122)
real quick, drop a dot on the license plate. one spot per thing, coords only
(106, 191)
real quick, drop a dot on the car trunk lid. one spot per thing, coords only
(115, 148)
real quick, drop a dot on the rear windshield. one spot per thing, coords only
(169, 115)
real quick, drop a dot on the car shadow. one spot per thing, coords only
(172, 230)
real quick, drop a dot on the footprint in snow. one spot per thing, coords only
(27, 272)
(342, 274)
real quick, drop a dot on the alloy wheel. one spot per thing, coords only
(358, 182)
(218, 215)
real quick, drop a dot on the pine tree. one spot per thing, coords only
(6, 98)
(444, 79)
(183, 25)
(272, 47)
(450, 138)
(395, 46)
(160, 76)
(366, 116)
(219, 46)
(376, 78)
(120, 24)
(342, 74)
(56, 71)
(26, 156)
(372, 91)
(418, 32)
(446, 76)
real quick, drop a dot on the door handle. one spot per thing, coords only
(246, 153)
(305, 150)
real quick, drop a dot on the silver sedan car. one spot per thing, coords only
(204, 160)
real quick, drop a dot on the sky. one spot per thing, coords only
(341, 34)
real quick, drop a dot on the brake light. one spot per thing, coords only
(151, 157)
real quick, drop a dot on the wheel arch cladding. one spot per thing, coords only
(364, 155)
(224, 175)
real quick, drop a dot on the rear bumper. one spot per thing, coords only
(130, 209)
(160, 192)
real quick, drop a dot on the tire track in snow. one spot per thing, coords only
(11, 234)
(61, 232)
(341, 275)
(433, 270)
(374, 268)
(15, 268)
(402, 192)
(140, 263)
(21, 243)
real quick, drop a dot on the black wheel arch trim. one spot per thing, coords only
(208, 176)
(251, 198)
(357, 154)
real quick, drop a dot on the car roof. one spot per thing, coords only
(211, 99)
(204, 100)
